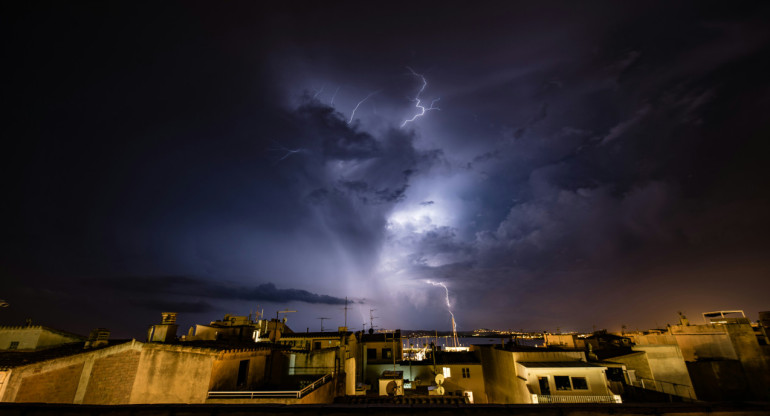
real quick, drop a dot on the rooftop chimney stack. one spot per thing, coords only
(99, 337)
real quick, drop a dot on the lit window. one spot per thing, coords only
(562, 382)
(579, 383)
(447, 372)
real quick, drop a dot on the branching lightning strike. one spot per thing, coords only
(319, 91)
(288, 152)
(418, 101)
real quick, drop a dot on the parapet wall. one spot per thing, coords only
(732, 409)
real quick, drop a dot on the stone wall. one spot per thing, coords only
(172, 374)
(55, 386)
(111, 378)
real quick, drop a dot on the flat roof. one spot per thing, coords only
(334, 335)
(558, 364)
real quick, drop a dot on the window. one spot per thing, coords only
(317, 345)
(371, 354)
(579, 383)
(562, 382)
(466, 372)
(387, 353)
(447, 372)
(14, 345)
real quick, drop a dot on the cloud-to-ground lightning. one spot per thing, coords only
(353, 113)
(448, 305)
(418, 101)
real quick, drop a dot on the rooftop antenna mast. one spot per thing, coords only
(371, 318)
(346, 311)
(322, 322)
(285, 311)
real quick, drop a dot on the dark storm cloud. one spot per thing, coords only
(587, 159)
(170, 305)
(194, 287)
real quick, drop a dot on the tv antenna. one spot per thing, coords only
(371, 319)
(346, 311)
(322, 322)
(282, 312)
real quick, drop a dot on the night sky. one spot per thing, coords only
(584, 164)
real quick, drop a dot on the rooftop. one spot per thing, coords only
(558, 364)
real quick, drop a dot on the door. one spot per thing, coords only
(545, 389)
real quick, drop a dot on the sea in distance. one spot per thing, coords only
(441, 340)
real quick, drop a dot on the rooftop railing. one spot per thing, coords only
(290, 394)
(548, 399)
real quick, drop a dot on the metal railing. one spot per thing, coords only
(546, 399)
(292, 394)
(667, 387)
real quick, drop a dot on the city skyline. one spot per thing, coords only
(510, 165)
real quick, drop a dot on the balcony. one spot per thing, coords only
(549, 399)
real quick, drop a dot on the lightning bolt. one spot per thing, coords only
(446, 290)
(353, 114)
(288, 152)
(418, 101)
(334, 95)
(317, 92)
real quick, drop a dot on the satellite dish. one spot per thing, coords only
(439, 379)
(391, 388)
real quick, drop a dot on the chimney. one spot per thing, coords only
(99, 337)
(165, 331)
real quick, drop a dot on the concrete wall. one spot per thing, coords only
(5, 375)
(33, 337)
(666, 364)
(224, 371)
(318, 362)
(175, 374)
(67, 379)
(564, 340)
(503, 384)
(597, 382)
(652, 338)
(754, 409)
(727, 342)
(548, 356)
(637, 362)
(135, 373)
(55, 386)
(706, 345)
(111, 378)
